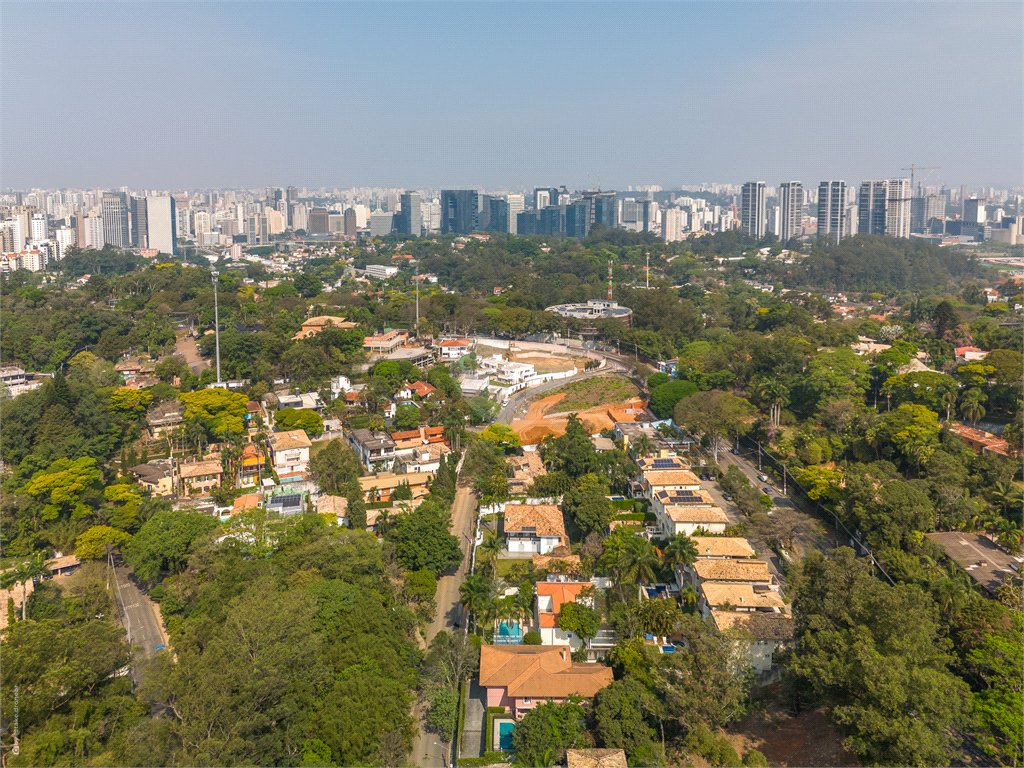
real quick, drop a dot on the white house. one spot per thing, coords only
(551, 596)
(453, 349)
(533, 528)
(290, 451)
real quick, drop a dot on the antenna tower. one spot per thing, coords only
(609, 279)
(648, 285)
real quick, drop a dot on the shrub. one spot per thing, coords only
(727, 755)
(755, 759)
(532, 638)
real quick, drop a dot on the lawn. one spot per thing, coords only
(318, 446)
(505, 563)
(589, 393)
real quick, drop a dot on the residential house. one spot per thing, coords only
(758, 635)
(453, 349)
(520, 677)
(418, 356)
(631, 432)
(156, 476)
(339, 386)
(969, 354)
(722, 546)
(333, 505)
(380, 487)
(675, 519)
(375, 516)
(422, 389)
(650, 464)
(718, 596)
(249, 501)
(655, 480)
(307, 400)
(131, 367)
(602, 444)
(867, 346)
(386, 342)
(979, 440)
(595, 758)
(252, 466)
(316, 324)
(199, 478)
(746, 571)
(289, 452)
(374, 448)
(551, 595)
(165, 418)
(533, 528)
(525, 469)
(425, 458)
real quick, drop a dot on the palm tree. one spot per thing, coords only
(477, 593)
(689, 596)
(949, 400)
(643, 446)
(680, 551)
(1006, 495)
(639, 561)
(776, 395)
(30, 570)
(490, 549)
(972, 407)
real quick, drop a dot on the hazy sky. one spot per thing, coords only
(508, 95)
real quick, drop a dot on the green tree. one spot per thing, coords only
(714, 415)
(547, 730)
(680, 551)
(589, 505)
(998, 706)
(23, 573)
(222, 410)
(500, 434)
(335, 467)
(665, 396)
(130, 403)
(623, 716)
(92, 545)
(490, 549)
(164, 542)
(971, 405)
(63, 487)
(579, 618)
(422, 539)
(407, 417)
(659, 617)
(300, 418)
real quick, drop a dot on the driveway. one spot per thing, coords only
(187, 347)
(425, 751)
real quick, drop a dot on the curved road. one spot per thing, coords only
(524, 397)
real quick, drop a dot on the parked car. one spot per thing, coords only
(767, 491)
(728, 497)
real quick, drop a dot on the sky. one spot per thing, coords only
(507, 95)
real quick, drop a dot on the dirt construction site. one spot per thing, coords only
(545, 417)
(543, 362)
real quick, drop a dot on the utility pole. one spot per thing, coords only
(417, 302)
(648, 283)
(216, 320)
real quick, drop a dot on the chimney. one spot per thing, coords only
(565, 654)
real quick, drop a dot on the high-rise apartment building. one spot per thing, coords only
(673, 222)
(115, 219)
(871, 207)
(791, 209)
(201, 222)
(752, 209)
(299, 217)
(39, 226)
(95, 230)
(409, 220)
(460, 211)
(64, 237)
(351, 223)
(291, 199)
(897, 208)
(832, 210)
(182, 217)
(162, 224)
(140, 225)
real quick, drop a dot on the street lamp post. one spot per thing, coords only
(445, 750)
(216, 320)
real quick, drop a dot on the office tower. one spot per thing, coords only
(832, 210)
(934, 207)
(752, 212)
(39, 228)
(544, 196)
(393, 201)
(974, 211)
(201, 222)
(409, 219)
(64, 237)
(460, 211)
(140, 226)
(381, 223)
(115, 219)
(319, 223)
(335, 222)
(94, 232)
(791, 209)
(264, 230)
(162, 224)
(577, 219)
(350, 222)
(871, 207)
(516, 205)
(498, 214)
(673, 224)
(252, 230)
(897, 208)
(78, 222)
(292, 198)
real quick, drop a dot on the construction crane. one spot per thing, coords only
(919, 168)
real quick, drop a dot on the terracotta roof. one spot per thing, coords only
(422, 388)
(455, 343)
(545, 518)
(197, 468)
(732, 570)
(559, 592)
(251, 452)
(398, 508)
(539, 671)
(595, 758)
(740, 596)
(688, 514)
(249, 501)
(294, 438)
(542, 561)
(647, 463)
(252, 407)
(332, 505)
(722, 546)
(393, 481)
(759, 625)
(671, 477)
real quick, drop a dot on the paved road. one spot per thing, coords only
(188, 348)
(519, 402)
(144, 625)
(425, 751)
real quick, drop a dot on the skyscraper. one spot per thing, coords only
(460, 211)
(292, 199)
(752, 210)
(672, 224)
(162, 224)
(791, 203)
(498, 214)
(516, 205)
(409, 220)
(577, 219)
(974, 211)
(603, 208)
(39, 227)
(115, 219)
(871, 207)
(897, 208)
(544, 196)
(319, 221)
(381, 223)
(140, 226)
(351, 223)
(832, 210)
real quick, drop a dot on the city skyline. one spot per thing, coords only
(680, 100)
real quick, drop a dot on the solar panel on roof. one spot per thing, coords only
(664, 463)
(286, 501)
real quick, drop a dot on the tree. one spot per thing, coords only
(659, 617)
(945, 318)
(877, 652)
(589, 505)
(533, 638)
(164, 542)
(664, 397)
(500, 434)
(222, 410)
(572, 452)
(300, 418)
(63, 487)
(622, 716)
(477, 593)
(680, 551)
(490, 549)
(579, 618)
(546, 731)
(713, 415)
(422, 540)
(971, 405)
(92, 545)
(130, 403)
(407, 417)
(998, 707)
(23, 573)
(308, 285)
(334, 467)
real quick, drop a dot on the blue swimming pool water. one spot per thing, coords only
(506, 629)
(505, 731)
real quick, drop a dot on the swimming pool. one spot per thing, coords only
(505, 730)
